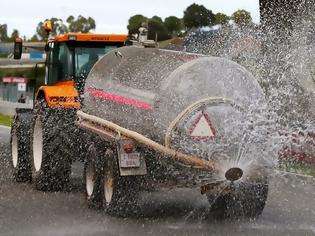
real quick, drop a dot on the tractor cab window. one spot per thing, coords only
(59, 63)
(86, 56)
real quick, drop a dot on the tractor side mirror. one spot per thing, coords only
(18, 45)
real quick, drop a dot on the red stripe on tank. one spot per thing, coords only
(119, 99)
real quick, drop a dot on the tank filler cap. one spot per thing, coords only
(234, 174)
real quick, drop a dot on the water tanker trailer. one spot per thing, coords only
(160, 119)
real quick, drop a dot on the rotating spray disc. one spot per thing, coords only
(234, 174)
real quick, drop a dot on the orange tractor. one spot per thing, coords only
(46, 160)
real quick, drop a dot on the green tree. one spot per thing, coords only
(58, 27)
(242, 18)
(81, 24)
(15, 34)
(173, 24)
(3, 32)
(34, 38)
(40, 31)
(197, 16)
(134, 23)
(157, 28)
(157, 18)
(221, 19)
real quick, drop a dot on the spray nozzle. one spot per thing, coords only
(234, 174)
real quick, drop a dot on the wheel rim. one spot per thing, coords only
(38, 144)
(14, 148)
(90, 180)
(108, 186)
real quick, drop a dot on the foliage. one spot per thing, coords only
(34, 38)
(173, 24)
(5, 120)
(57, 28)
(221, 18)
(15, 34)
(157, 18)
(4, 54)
(298, 167)
(3, 32)
(81, 24)
(157, 28)
(135, 22)
(196, 16)
(242, 18)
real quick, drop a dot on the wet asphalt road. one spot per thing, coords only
(290, 210)
(4, 134)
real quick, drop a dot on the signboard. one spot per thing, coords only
(14, 80)
(21, 87)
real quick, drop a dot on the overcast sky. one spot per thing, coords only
(110, 16)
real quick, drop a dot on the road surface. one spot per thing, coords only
(4, 134)
(290, 210)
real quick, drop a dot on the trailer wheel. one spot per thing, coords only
(105, 188)
(93, 179)
(246, 200)
(51, 166)
(119, 192)
(20, 147)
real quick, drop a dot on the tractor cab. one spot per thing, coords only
(70, 58)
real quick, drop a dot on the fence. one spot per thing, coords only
(10, 93)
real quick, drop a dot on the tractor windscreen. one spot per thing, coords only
(74, 60)
(86, 55)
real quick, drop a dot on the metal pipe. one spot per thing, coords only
(111, 130)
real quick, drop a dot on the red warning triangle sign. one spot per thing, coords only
(202, 128)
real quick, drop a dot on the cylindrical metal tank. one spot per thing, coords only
(189, 102)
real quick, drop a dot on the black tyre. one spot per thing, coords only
(116, 194)
(120, 193)
(51, 165)
(20, 146)
(93, 180)
(243, 200)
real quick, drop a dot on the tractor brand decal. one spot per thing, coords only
(119, 99)
(202, 128)
(100, 38)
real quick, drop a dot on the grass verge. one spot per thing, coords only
(298, 168)
(5, 120)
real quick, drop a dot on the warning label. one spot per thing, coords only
(202, 128)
